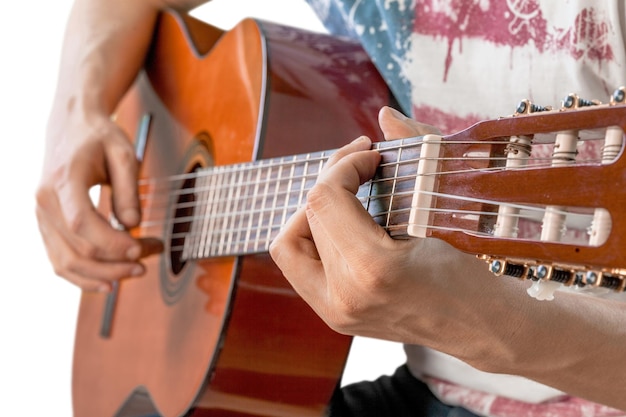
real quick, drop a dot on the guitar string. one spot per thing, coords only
(164, 196)
(267, 230)
(281, 163)
(168, 193)
(276, 162)
(539, 211)
(291, 192)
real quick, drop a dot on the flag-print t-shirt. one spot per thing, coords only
(451, 63)
(454, 62)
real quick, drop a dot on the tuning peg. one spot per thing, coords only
(618, 96)
(501, 267)
(604, 280)
(526, 107)
(556, 275)
(572, 101)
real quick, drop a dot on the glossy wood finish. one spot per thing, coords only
(589, 185)
(224, 336)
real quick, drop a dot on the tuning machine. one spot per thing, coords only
(526, 107)
(563, 275)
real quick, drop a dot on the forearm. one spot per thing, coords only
(104, 47)
(574, 343)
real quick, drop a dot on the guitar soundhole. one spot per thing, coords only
(183, 216)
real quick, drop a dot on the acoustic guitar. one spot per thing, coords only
(232, 130)
(222, 334)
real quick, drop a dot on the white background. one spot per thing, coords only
(38, 309)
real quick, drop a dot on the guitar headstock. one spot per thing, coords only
(538, 195)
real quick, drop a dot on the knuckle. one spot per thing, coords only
(275, 250)
(77, 222)
(124, 154)
(88, 250)
(319, 196)
(65, 266)
(58, 270)
(340, 153)
(42, 198)
(343, 312)
(340, 322)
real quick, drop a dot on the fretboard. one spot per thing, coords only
(239, 209)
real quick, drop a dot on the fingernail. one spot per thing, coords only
(130, 216)
(133, 253)
(361, 139)
(137, 270)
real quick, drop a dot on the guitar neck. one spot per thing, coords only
(239, 209)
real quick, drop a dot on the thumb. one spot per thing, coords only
(395, 125)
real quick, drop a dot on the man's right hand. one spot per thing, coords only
(104, 48)
(83, 151)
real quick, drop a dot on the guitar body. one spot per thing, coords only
(225, 336)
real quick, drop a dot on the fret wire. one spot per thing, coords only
(236, 209)
(223, 208)
(216, 214)
(227, 211)
(303, 180)
(215, 201)
(257, 235)
(393, 185)
(283, 219)
(248, 202)
(253, 204)
(218, 231)
(320, 167)
(206, 200)
(189, 247)
(231, 208)
(216, 235)
(197, 224)
(277, 184)
(172, 208)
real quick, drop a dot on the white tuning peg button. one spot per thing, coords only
(543, 290)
